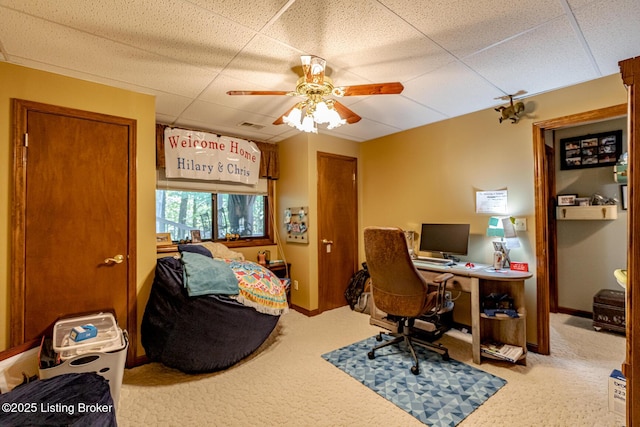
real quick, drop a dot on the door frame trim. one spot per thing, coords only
(20, 108)
(542, 217)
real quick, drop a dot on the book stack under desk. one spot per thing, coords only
(500, 351)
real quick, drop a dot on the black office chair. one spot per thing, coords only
(400, 290)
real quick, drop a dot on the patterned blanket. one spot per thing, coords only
(259, 288)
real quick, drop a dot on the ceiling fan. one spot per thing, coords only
(315, 88)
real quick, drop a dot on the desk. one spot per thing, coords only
(478, 281)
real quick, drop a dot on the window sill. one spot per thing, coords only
(246, 243)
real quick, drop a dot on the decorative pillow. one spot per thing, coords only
(197, 249)
(206, 276)
(218, 250)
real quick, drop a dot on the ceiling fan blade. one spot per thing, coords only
(346, 113)
(391, 88)
(258, 92)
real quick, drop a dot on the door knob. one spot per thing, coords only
(116, 259)
(327, 242)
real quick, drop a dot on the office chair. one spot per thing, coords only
(400, 290)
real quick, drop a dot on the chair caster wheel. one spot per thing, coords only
(371, 355)
(379, 337)
(445, 357)
(415, 370)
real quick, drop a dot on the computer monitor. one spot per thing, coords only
(447, 239)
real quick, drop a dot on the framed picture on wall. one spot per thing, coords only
(589, 151)
(567, 199)
(163, 239)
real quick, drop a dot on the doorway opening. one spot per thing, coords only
(545, 233)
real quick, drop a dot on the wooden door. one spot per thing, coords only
(74, 207)
(337, 228)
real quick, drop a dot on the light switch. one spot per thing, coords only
(520, 224)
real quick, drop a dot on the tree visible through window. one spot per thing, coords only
(179, 212)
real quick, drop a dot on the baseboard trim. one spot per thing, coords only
(308, 313)
(574, 312)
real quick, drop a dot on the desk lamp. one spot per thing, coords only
(503, 227)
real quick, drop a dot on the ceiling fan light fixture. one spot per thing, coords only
(335, 120)
(322, 113)
(294, 117)
(308, 124)
(313, 68)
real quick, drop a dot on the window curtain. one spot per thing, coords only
(269, 161)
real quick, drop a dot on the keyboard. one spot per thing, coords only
(433, 261)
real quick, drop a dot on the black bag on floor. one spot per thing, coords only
(356, 286)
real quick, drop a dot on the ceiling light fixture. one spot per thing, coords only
(315, 88)
(316, 109)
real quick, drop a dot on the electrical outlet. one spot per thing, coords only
(295, 285)
(520, 224)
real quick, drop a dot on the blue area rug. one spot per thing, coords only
(443, 394)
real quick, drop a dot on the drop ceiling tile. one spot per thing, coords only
(530, 62)
(251, 13)
(464, 27)
(397, 111)
(225, 129)
(95, 56)
(266, 62)
(360, 36)
(177, 29)
(218, 115)
(611, 30)
(363, 130)
(452, 90)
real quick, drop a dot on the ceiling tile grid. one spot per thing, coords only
(453, 57)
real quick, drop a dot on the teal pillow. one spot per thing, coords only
(207, 276)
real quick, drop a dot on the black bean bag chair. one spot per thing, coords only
(198, 334)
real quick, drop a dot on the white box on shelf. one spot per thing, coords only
(617, 392)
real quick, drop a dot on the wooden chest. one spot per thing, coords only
(609, 310)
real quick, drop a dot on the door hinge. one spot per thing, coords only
(353, 177)
(25, 144)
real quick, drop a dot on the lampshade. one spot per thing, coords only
(316, 110)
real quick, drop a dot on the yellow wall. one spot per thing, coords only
(432, 173)
(38, 86)
(298, 186)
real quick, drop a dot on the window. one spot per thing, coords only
(238, 219)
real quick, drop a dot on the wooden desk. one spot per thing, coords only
(479, 282)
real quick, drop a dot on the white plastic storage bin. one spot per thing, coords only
(110, 365)
(108, 338)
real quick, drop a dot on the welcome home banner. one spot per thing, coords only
(201, 155)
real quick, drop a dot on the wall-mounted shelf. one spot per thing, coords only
(603, 212)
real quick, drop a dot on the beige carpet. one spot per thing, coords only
(287, 383)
